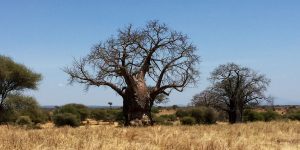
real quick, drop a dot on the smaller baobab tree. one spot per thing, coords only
(233, 88)
(139, 64)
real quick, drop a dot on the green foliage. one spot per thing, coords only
(202, 115)
(24, 120)
(293, 114)
(252, 116)
(210, 116)
(169, 117)
(155, 110)
(81, 111)
(63, 119)
(188, 120)
(99, 114)
(197, 114)
(19, 105)
(164, 119)
(270, 115)
(15, 77)
(182, 113)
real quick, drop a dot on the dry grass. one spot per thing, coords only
(251, 136)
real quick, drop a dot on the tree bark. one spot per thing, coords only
(137, 105)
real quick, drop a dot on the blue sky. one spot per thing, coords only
(46, 35)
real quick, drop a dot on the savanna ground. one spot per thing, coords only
(249, 136)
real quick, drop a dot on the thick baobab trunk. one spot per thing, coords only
(137, 105)
(235, 116)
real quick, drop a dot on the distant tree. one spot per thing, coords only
(233, 88)
(15, 77)
(154, 56)
(110, 104)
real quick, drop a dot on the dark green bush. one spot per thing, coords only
(182, 113)
(210, 116)
(155, 110)
(270, 115)
(24, 120)
(251, 116)
(81, 111)
(197, 114)
(188, 120)
(293, 114)
(64, 119)
(19, 105)
(99, 114)
(162, 120)
(169, 117)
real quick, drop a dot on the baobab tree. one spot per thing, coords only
(135, 60)
(233, 88)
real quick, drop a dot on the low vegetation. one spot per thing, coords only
(250, 136)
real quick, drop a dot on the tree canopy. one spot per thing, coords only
(138, 58)
(233, 88)
(15, 77)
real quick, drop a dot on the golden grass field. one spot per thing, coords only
(250, 136)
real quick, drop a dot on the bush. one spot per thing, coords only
(293, 115)
(24, 120)
(99, 114)
(210, 116)
(162, 120)
(197, 114)
(64, 119)
(19, 105)
(270, 115)
(188, 121)
(169, 117)
(182, 113)
(253, 116)
(81, 111)
(155, 110)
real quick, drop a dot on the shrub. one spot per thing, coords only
(162, 120)
(197, 114)
(169, 117)
(270, 115)
(210, 116)
(19, 105)
(155, 110)
(99, 114)
(24, 120)
(64, 119)
(294, 116)
(182, 113)
(81, 111)
(188, 120)
(251, 116)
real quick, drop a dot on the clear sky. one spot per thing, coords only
(46, 35)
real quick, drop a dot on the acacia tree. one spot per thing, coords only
(137, 59)
(234, 87)
(15, 77)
